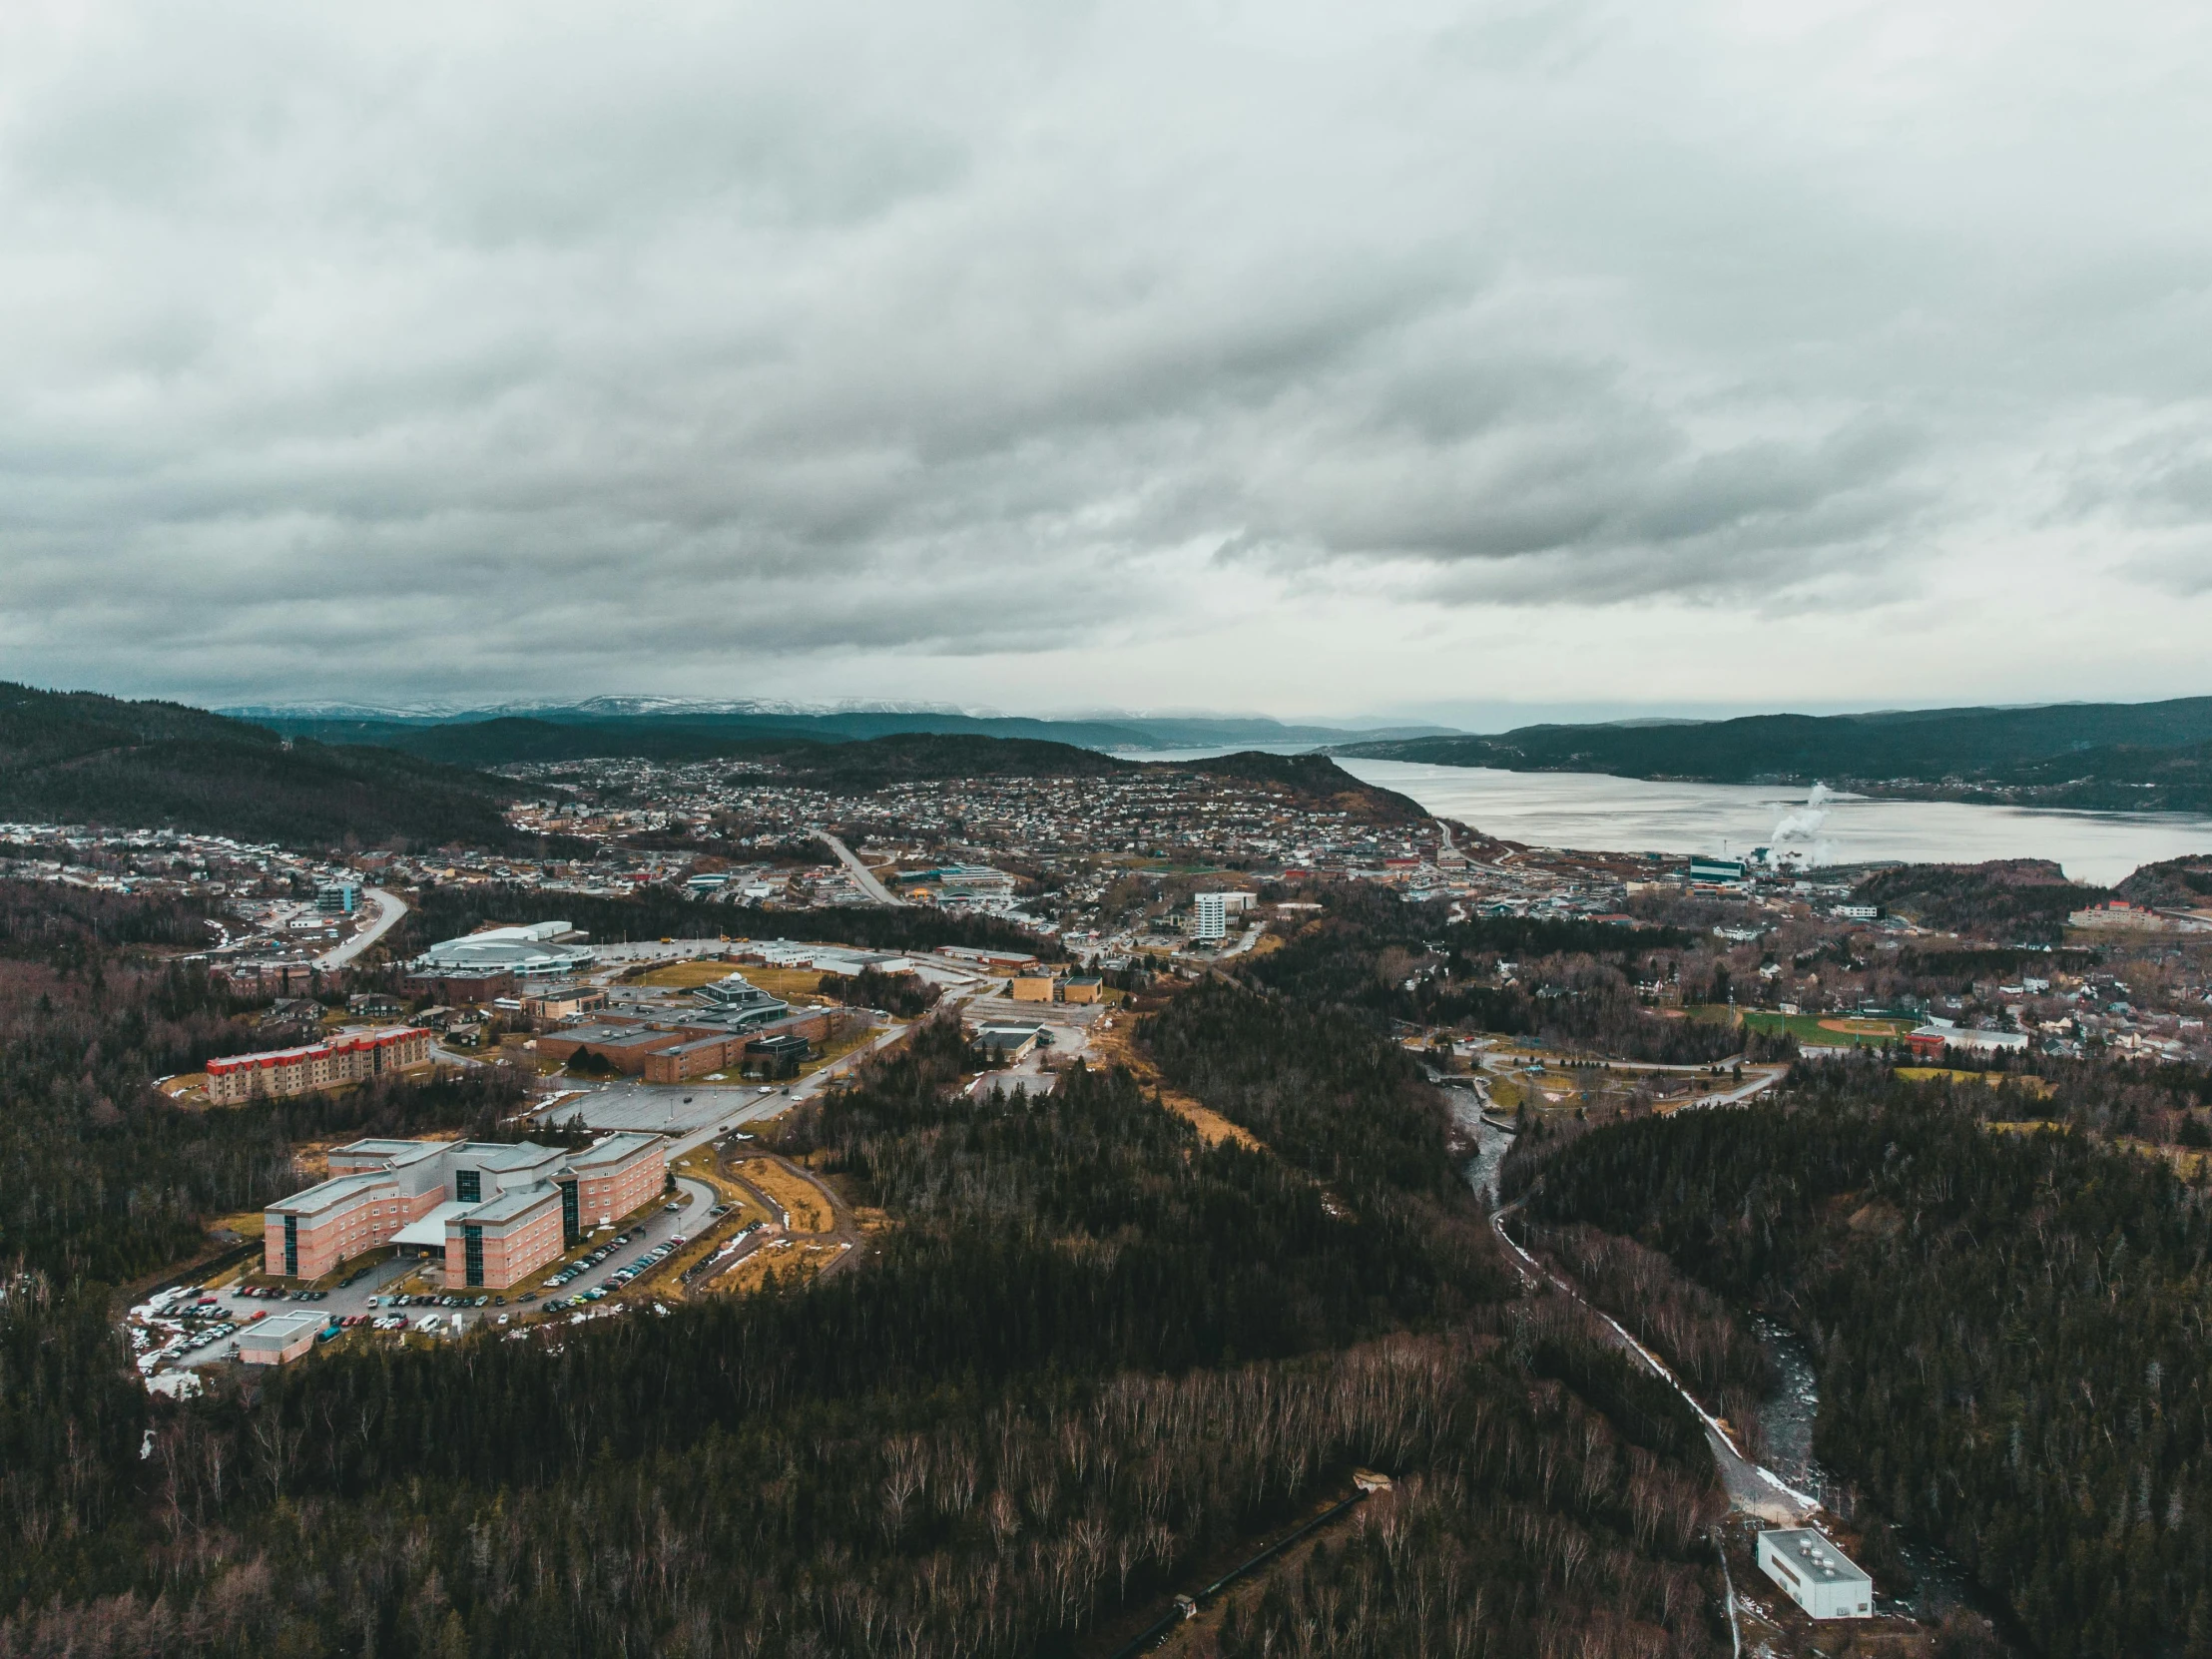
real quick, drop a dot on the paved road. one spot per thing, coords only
(843, 1238)
(701, 1121)
(390, 908)
(861, 872)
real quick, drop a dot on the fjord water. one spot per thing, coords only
(1593, 812)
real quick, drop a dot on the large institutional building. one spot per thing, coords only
(496, 1213)
(349, 1059)
(500, 961)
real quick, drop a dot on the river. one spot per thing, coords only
(1786, 1418)
(1590, 811)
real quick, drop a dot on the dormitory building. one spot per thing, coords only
(496, 1213)
(276, 1072)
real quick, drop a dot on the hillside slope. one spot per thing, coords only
(80, 757)
(2144, 755)
(862, 764)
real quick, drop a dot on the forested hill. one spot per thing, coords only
(2143, 755)
(2008, 1328)
(80, 757)
(859, 765)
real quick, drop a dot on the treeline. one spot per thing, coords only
(52, 922)
(443, 912)
(2008, 1328)
(108, 1182)
(2006, 899)
(1572, 983)
(906, 995)
(1091, 1355)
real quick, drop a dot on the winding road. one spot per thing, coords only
(390, 908)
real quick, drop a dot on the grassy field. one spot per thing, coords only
(1828, 1030)
(789, 984)
(810, 1210)
(1558, 1089)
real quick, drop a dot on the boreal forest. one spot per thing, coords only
(1103, 1343)
(2005, 1292)
(1090, 1359)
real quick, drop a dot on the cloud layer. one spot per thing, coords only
(1308, 357)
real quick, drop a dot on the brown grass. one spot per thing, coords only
(753, 1272)
(1114, 1048)
(2040, 1087)
(810, 1210)
(789, 984)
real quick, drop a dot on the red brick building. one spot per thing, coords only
(278, 1073)
(496, 1213)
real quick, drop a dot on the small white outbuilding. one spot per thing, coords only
(1815, 1574)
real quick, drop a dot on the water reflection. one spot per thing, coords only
(1629, 815)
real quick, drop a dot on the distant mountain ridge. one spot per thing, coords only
(2142, 757)
(651, 721)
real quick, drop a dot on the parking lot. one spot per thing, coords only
(673, 1109)
(371, 1293)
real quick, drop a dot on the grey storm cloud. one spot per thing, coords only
(426, 348)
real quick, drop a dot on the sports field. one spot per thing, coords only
(1828, 1030)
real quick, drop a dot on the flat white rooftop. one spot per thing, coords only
(429, 1230)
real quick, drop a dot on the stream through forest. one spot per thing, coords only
(1787, 1417)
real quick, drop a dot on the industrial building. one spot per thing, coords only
(351, 1058)
(1931, 1040)
(498, 962)
(824, 958)
(1007, 1042)
(1815, 1574)
(494, 1213)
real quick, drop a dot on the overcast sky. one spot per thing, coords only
(1311, 360)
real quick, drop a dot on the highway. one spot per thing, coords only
(390, 908)
(861, 872)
